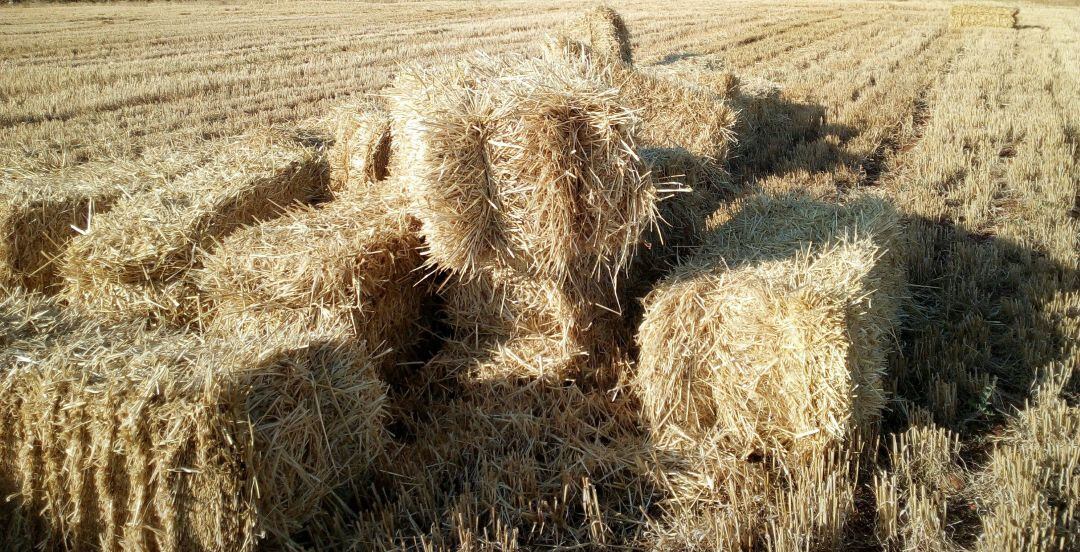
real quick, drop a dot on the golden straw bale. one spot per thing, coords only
(678, 114)
(602, 33)
(691, 189)
(155, 441)
(522, 320)
(775, 333)
(966, 15)
(522, 163)
(356, 256)
(40, 213)
(132, 262)
(675, 112)
(361, 149)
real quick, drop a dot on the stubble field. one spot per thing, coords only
(972, 134)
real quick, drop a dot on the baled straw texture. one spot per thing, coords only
(133, 261)
(679, 114)
(600, 33)
(966, 15)
(675, 112)
(507, 464)
(691, 189)
(527, 164)
(774, 335)
(361, 150)
(533, 327)
(355, 258)
(40, 213)
(121, 438)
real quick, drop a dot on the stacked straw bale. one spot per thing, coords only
(122, 438)
(133, 261)
(361, 149)
(355, 259)
(675, 112)
(529, 192)
(774, 335)
(527, 164)
(686, 136)
(600, 32)
(41, 213)
(966, 15)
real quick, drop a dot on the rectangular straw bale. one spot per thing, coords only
(675, 112)
(966, 15)
(132, 262)
(775, 333)
(523, 319)
(40, 213)
(521, 163)
(137, 440)
(361, 149)
(679, 114)
(690, 190)
(356, 257)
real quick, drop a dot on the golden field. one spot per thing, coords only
(902, 189)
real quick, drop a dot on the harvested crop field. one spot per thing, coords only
(492, 276)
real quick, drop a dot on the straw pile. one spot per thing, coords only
(133, 261)
(122, 438)
(774, 335)
(982, 16)
(40, 213)
(354, 259)
(361, 149)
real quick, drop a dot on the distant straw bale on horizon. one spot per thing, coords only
(355, 258)
(361, 150)
(527, 164)
(132, 262)
(775, 333)
(159, 441)
(969, 15)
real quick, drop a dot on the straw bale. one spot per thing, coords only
(774, 335)
(361, 150)
(692, 188)
(356, 257)
(675, 112)
(123, 438)
(602, 33)
(40, 213)
(679, 114)
(133, 261)
(966, 15)
(534, 327)
(527, 164)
